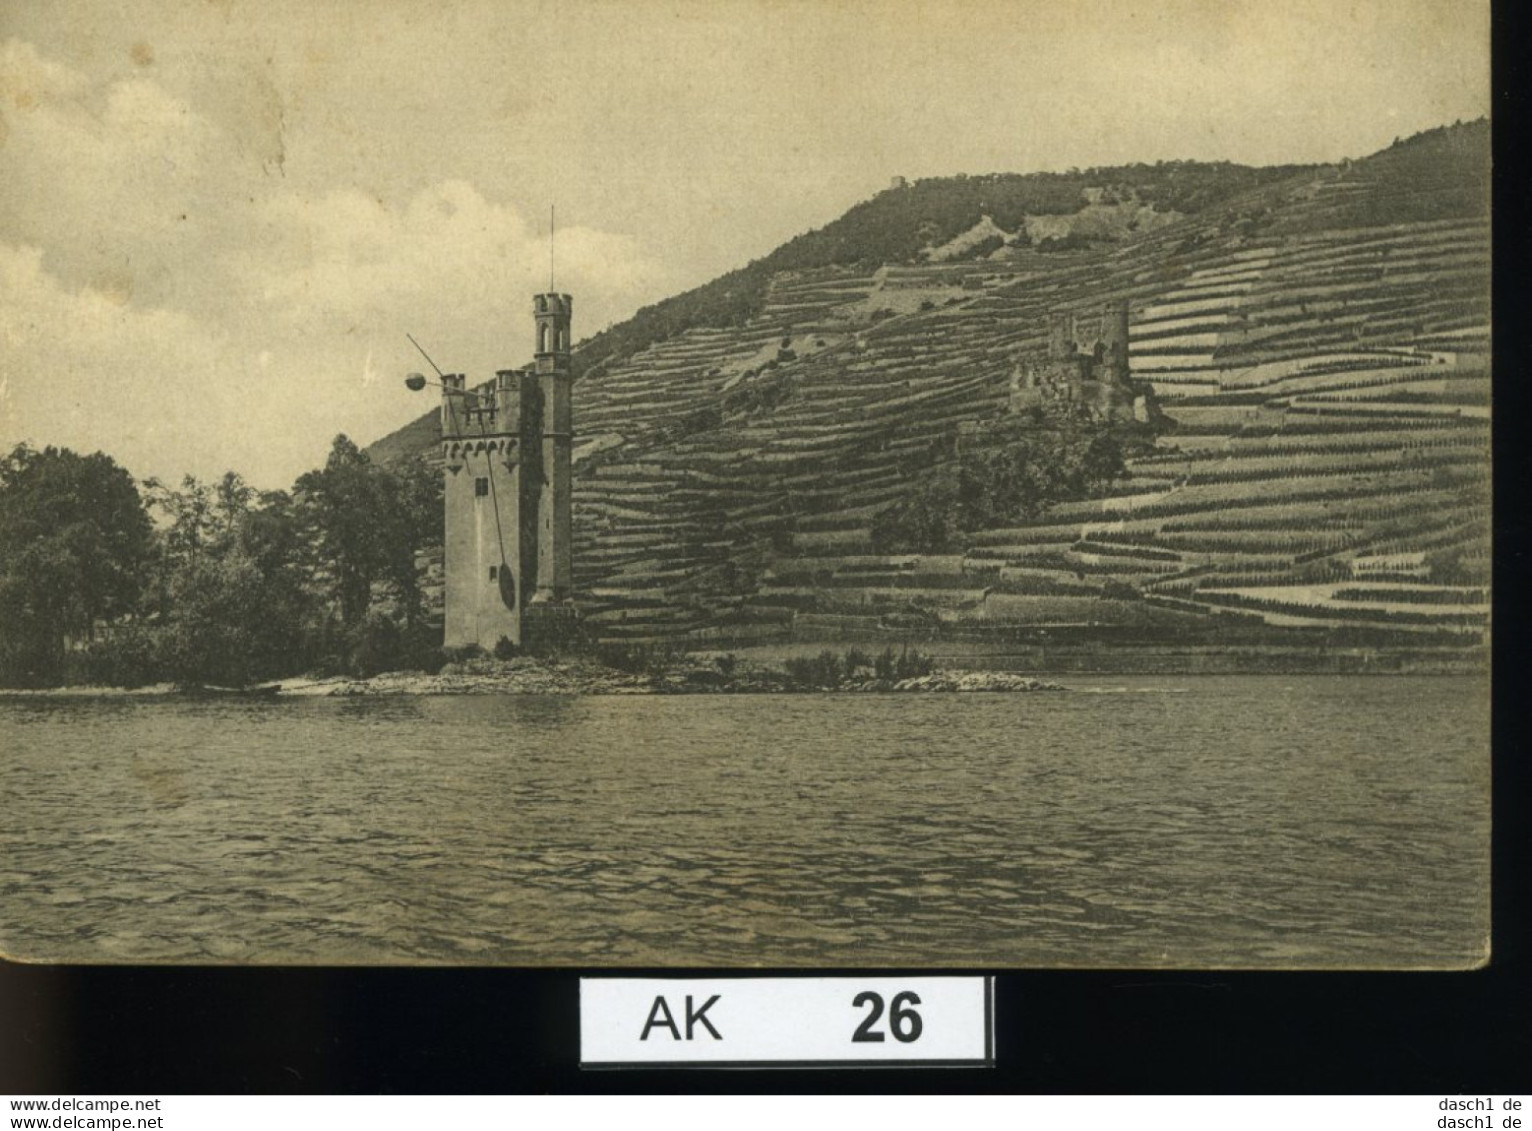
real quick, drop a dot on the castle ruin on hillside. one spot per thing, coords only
(1090, 377)
(506, 460)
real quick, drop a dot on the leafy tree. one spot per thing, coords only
(368, 523)
(925, 523)
(272, 535)
(412, 518)
(230, 624)
(73, 541)
(191, 514)
(345, 501)
(204, 520)
(232, 498)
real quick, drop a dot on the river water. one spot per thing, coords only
(1288, 821)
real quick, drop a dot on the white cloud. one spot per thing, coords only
(88, 370)
(170, 299)
(348, 256)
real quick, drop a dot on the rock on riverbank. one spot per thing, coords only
(484, 677)
(961, 681)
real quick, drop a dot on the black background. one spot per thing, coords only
(210, 1030)
(240, 1030)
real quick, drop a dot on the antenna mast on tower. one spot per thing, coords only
(550, 248)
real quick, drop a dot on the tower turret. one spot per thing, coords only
(553, 313)
(555, 574)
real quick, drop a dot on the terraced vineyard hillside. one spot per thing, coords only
(1318, 345)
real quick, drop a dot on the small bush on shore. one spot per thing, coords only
(906, 665)
(129, 657)
(821, 672)
(827, 671)
(375, 646)
(637, 659)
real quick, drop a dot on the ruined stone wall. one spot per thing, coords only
(1078, 377)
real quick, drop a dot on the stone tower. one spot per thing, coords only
(506, 457)
(481, 450)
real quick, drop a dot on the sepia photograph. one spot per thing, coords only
(973, 484)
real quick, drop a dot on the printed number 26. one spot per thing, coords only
(903, 1022)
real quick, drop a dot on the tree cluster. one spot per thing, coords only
(1010, 480)
(74, 536)
(828, 671)
(209, 583)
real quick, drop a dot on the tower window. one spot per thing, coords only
(481, 487)
(494, 572)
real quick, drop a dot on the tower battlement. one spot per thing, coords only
(477, 414)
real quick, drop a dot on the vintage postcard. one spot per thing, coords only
(732, 483)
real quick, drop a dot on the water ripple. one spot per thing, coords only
(1238, 822)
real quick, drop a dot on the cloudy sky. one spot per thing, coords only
(218, 218)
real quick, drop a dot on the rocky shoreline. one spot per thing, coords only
(526, 676)
(690, 676)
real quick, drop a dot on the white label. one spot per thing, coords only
(785, 1021)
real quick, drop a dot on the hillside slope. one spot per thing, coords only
(1318, 338)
